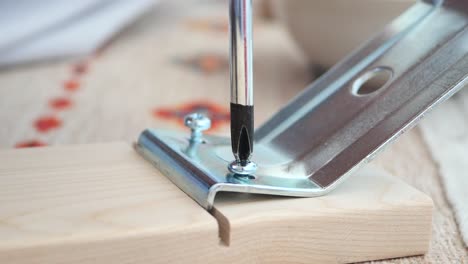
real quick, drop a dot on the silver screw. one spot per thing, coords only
(197, 123)
(243, 169)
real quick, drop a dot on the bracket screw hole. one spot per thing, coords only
(372, 80)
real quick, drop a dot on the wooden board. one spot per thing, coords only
(96, 204)
(104, 204)
(371, 216)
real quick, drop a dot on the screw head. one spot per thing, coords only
(247, 169)
(197, 122)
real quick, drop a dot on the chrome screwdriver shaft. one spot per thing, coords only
(241, 67)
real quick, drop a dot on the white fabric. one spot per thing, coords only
(446, 132)
(35, 30)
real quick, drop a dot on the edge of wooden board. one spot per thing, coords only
(104, 203)
(371, 216)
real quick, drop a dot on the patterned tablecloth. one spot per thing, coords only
(172, 62)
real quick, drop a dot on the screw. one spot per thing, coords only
(237, 167)
(197, 123)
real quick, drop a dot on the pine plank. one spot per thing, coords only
(371, 216)
(96, 204)
(105, 204)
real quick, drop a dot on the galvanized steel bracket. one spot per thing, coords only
(338, 123)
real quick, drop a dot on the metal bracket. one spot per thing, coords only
(337, 124)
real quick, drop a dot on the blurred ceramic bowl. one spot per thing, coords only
(328, 30)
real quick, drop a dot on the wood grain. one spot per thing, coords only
(410, 160)
(371, 216)
(96, 204)
(105, 204)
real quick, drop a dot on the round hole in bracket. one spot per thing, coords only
(372, 81)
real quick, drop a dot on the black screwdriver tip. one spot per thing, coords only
(242, 132)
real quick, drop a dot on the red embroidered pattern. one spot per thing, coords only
(60, 103)
(206, 63)
(44, 124)
(51, 120)
(71, 85)
(216, 113)
(30, 144)
(80, 68)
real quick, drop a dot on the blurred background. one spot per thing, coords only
(56, 29)
(131, 57)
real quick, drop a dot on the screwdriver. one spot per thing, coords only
(241, 83)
